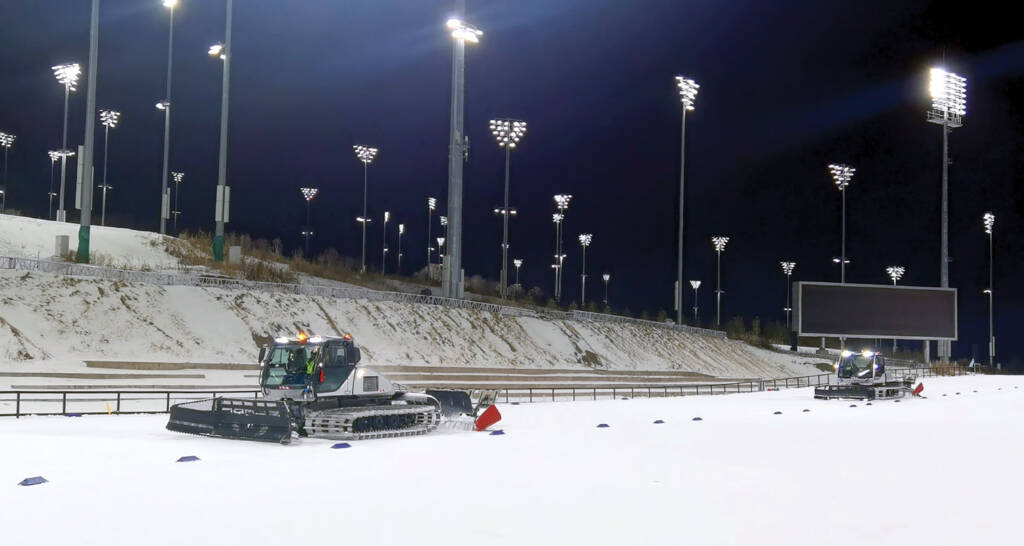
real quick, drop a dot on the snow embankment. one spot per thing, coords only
(22, 237)
(49, 321)
(938, 471)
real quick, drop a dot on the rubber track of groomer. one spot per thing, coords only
(339, 424)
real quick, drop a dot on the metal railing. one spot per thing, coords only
(73, 403)
(201, 280)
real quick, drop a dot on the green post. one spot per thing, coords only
(218, 248)
(82, 255)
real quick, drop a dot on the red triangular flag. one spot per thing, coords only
(490, 416)
(917, 391)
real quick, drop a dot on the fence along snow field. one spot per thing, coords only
(56, 402)
(199, 280)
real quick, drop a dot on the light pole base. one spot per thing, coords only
(82, 255)
(218, 248)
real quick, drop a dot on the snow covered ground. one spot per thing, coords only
(935, 471)
(23, 237)
(52, 323)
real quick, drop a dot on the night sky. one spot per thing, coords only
(786, 88)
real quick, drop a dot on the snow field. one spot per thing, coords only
(941, 470)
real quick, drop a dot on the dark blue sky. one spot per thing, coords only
(786, 87)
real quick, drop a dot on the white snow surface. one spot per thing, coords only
(23, 237)
(938, 471)
(46, 318)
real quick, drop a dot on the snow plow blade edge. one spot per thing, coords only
(258, 420)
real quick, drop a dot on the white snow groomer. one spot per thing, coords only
(316, 387)
(862, 376)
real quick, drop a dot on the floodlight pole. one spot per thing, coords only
(451, 284)
(61, 213)
(85, 220)
(309, 229)
(366, 168)
(106, 145)
(718, 290)
(990, 228)
(430, 213)
(789, 292)
(221, 215)
(695, 306)
(164, 195)
(842, 258)
(504, 222)
(682, 189)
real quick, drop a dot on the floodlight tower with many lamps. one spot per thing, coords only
(585, 239)
(687, 94)
(895, 272)
(518, 262)
(508, 132)
(366, 154)
(67, 75)
(696, 286)
(6, 140)
(177, 178)
(504, 213)
(989, 220)
(308, 194)
(841, 176)
(562, 204)
(109, 119)
(718, 242)
(787, 270)
(461, 32)
(949, 106)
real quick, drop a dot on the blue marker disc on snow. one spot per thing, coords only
(187, 459)
(498, 432)
(659, 422)
(603, 425)
(697, 419)
(341, 445)
(35, 480)
(777, 413)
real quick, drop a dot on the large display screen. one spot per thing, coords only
(874, 310)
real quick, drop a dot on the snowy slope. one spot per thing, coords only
(23, 237)
(936, 471)
(63, 320)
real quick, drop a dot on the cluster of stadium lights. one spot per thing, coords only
(841, 174)
(110, 118)
(508, 132)
(366, 154)
(309, 193)
(687, 91)
(67, 75)
(948, 91)
(7, 139)
(462, 30)
(895, 272)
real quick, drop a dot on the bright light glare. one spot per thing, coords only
(585, 239)
(948, 91)
(687, 91)
(846, 354)
(562, 201)
(67, 75)
(719, 242)
(170, 3)
(7, 139)
(309, 193)
(217, 50)
(607, 277)
(178, 177)
(990, 220)
(787, 267)
(464, 31)
(431, 203)
(163, 105)
(895, 272)
(695, 284)
(517, 262)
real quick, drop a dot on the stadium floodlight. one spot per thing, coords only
(719, 242)
(6, 140)
(401, 231)
(562, 205)
(895, 272)
(308, 194)
(989, 220)
(54, 156)
(687, 95)
(518, 262)
(440, 245)
(507, 132)
(165, 105)
(464, 31)
(949, 106)
(696, 286)
(366, 154)
(109, 119)
(841, 176)
(170, 3)
(458, 147)
(787, 270)
(177, 178)
(67, 75)
(585, 239)
(431, 205)
(217, 50)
